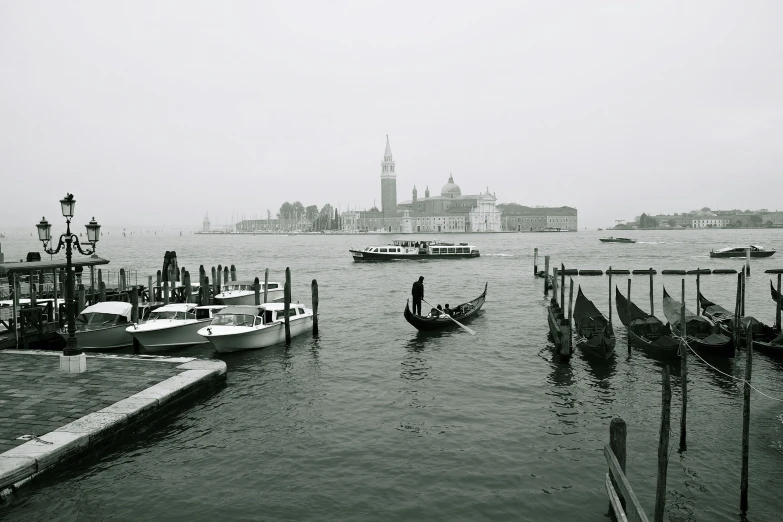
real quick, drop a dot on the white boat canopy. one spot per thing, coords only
(177, 307)
(109, 307)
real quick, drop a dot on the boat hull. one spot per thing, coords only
(240, 298)
(765, 253)
(665, 347)
(112, 338)
(169, 338)
(361, 256)
(424, 324)
(616, 241)
(599, 345)
(226, 339)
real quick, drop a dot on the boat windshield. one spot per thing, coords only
(173, 315)
(96, 319)
(233, 320)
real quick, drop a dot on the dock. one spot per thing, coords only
(48, 418)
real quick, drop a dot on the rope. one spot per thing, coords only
(685, 342)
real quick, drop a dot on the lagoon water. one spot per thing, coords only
(373, 421)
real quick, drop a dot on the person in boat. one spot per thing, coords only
(447, 310)
(433, 313)
(418, 295)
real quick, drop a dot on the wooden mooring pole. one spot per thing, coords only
(546, 276)
(618, 433)
(652, 293)
(233, 273)
(562, 287)
(257, 291)
(535, 261)
(663, 447)
(698, 290)
(287, 304)
(567, 347)
(166, 292)
(226, 275)
(778, 307)
(159, 286)
(215, 286)
(683, 373)
(610, 298)
(747, 264)
(554, 286)
(188, 287)
(266, 285)
(219, 280)
(314, 288)
(746, 422)
(629, 327)
(208, 299)
(744, 283)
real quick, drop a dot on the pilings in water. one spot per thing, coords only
(746, 422)
(215, 285)
(314, 288)
(225, 275)
(535, 261)
(629, 328)
(287, 304)
(747, 262)
(233, 273)
(698, 292)
(777, 308)
(546, 275)
(683, 373)
(266, 285)
(663, 447)
(610, 297)
(166, 292)
(652, 292)
(622, 498)
(219, 281)
(256, 291)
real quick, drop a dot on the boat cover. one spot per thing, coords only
(110, 307)
(240, 310)
(672, 310)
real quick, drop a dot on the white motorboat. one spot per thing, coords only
(238, 328)
(102, 326)
(242, 293)
(173, 326)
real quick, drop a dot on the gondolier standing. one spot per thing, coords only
(418, 295)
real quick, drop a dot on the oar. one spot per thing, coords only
(444, 314)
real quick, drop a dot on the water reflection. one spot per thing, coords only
(414, 366)
(601, 369)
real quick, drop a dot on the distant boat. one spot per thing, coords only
(600, 229)
(755, 251)
(617, 240)
(417, 250)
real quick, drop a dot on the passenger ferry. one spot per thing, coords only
(406, 249)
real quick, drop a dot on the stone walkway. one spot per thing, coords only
(35, 398)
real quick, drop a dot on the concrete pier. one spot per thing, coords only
(48, 418)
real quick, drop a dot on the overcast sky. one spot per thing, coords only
(159, 111)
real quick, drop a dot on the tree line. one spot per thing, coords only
(327, 218)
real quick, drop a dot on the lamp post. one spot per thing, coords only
(68, 205)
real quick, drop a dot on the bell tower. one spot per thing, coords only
(388, 183)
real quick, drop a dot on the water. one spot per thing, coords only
(375, 422)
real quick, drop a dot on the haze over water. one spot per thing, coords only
(373, 421)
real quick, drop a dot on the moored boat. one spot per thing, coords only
(237, 293)
(775, 295)
(236, 328)
(702, 334)
(462, 313)
(173, 326)
(617, 240)
(646, 332)
(407, 249)
(594, 334)
(742, 251)
(765, 338)
(103, 326)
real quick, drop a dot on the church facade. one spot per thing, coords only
(451, 211)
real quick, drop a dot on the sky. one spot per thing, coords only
(156, 112)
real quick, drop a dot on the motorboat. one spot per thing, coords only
(236, 328)
(236, 293)
(408, 249)
(173, 326)
(617, 240)
(742, 251)
(103, 326)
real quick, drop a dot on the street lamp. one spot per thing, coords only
(68, 205)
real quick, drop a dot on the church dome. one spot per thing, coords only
(450, 189)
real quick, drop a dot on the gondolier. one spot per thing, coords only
(418, 295)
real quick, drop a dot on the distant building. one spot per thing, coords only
(711, 222)
(520, 218)
(449, 212)
(274, 225)
(205, 225)
(776, 218)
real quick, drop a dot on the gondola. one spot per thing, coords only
(775, 295)
(466, 312)
(765, 338)
(646, 332)
(594, 334)
(702, 334)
